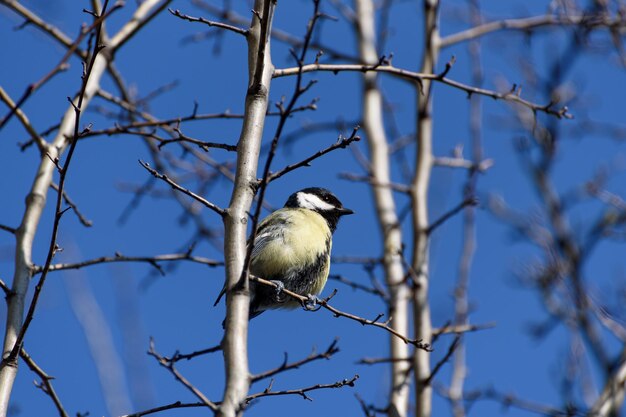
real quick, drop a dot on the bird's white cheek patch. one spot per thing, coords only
(313, 202)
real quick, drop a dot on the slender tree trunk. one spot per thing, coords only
(385, 209)
(236, 219)
(419, 194)
(36, 201)
(25, 236)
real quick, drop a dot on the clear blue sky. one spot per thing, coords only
(177, 309)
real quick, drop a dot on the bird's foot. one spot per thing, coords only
(312, 303)
(279, 296)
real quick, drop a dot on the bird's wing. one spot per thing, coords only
(266, 233)
(261, 240)
(270, 229)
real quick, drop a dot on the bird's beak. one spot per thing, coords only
(345, 211)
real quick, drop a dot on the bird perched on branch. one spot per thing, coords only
(292, 249)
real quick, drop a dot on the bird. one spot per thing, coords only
(292, 249)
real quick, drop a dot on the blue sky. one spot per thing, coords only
(176, 310)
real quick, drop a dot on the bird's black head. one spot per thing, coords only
(321, 201)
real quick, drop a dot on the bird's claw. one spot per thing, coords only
(312, 303)
(279, 296)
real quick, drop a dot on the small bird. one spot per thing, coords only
(292, 249)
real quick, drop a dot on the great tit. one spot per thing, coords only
(292, 248)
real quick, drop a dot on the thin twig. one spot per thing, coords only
(302, 391)
(438, 365)
(153, 260)
(401, 188)
(357, 286)
(83, 220)
(220, 25)
(341, 143)
(412, 76)
(205, 146)
(471, 201)
(463, 328)
(46, 382)
(21, 116)
(32, 19)
(9, 229)
(171, 406)
(188, 356)
(526, 24)
(338, 313)
(453, 162)
(169, 365)
(182, 189)
(285, 366)
(277, 34)
(374, 361)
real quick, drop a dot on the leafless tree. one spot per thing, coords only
(397, 168)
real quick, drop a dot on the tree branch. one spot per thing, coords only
(527, 24)
(305, 301)
(235, 29)
(330, 351)
(153, 260)
(169, 365)
(46, 382)
(301, 391)
(182, 189)
(512, 96)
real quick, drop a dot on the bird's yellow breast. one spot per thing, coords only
(292, 239)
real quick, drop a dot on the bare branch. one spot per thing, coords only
(511, 400)
(21, 116)
(172, 406)
(153, 260)
(401, 188)
(83, 220)
(302, 391)
(357, 286)
(455, 343)
(46, 382)
(9, 229)
(471, 201)
(314, 356)
(277, 34)
(201, 144)
(32, 19)
(374, 361)
(169, 365)
(527, 24)
(417, 77)
(146, 11)
(465, 328)
(220, 25)
(188, 356)
(454, 162)
(182, 189)
(338, 313)
(341, 143)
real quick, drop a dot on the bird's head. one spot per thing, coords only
(321, 201)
